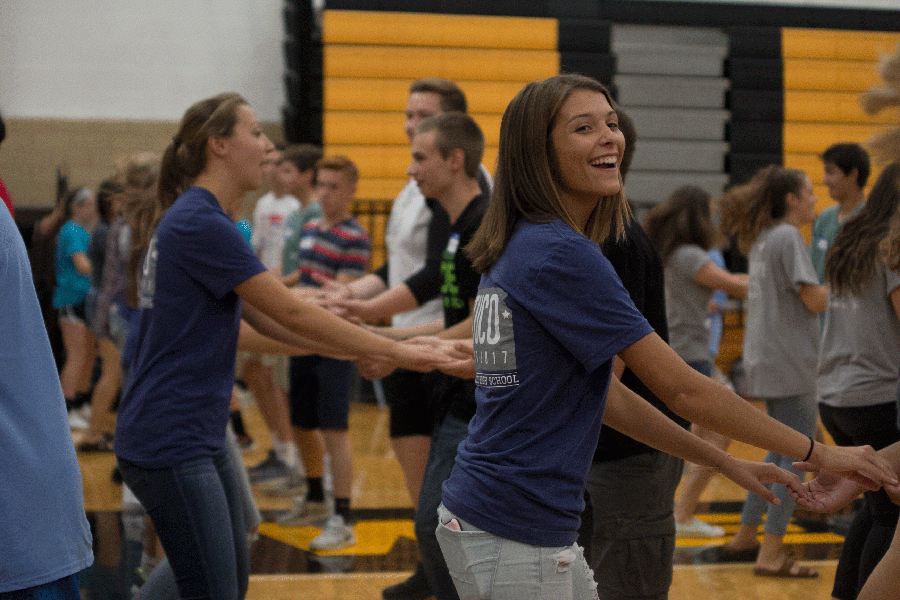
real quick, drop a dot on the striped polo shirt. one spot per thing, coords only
(343, 248)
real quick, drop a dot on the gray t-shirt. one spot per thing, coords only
(859, 356)
(687, 303)
(780, 335)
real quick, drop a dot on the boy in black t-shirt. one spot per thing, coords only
(446, 156)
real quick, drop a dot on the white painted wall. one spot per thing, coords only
(137, 59)
(151, 59)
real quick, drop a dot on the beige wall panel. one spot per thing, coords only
(419, 29)
(34, 148)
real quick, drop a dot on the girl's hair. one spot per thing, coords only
(185, 157)
(886, 144)
(526, 182)
(682, 219)
(854, 257)
(139, 175)
(105, 192)
(749, 208)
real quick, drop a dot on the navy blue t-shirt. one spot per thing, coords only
(549, 317)
(186, 335)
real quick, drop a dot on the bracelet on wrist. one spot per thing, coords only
(812, 444)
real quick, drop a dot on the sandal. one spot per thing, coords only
(104, 444)
(787, 570)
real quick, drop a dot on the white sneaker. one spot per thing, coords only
(336, 534)
(305, 512)
(697, 528)
(293, 485)
(77, 420)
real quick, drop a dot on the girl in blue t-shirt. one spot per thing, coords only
(549, 318)
(198, 278)
(73, 280)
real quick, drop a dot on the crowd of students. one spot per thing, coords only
(526, 312)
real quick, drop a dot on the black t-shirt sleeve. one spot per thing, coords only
(639, 267)
(425, 283)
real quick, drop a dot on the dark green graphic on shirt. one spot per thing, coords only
(495, 344)
(450, 287)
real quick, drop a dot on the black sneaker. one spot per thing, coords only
(269, 469)
(414, 588)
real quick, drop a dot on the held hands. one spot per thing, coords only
(828, 493)
(753, 477)
(460, 356)
(833, 489)
(424, 354)
(332, 291)
(859, 463)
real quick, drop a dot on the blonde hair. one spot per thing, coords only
(887, 143)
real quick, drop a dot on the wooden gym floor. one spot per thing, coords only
(283, 568)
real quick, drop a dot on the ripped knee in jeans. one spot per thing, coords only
(453, 525)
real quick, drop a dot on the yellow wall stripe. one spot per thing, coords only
(370, 59)
(372, 94)
(406, 62)
(824, 73)
(837, 44)
(451, 31)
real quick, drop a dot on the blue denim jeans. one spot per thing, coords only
(65, 588)
(798, 413)
(441, 458)
(486, 566)
(197, 511)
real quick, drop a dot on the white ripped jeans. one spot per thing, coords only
(485, 566)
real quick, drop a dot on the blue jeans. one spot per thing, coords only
(197, 511)
(798, 413)
(441, 458)
(65, 588)
(486, 566)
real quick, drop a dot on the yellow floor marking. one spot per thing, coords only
(372, 537)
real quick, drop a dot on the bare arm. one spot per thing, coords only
(460, 331)
(305, 319)
(895, 301)
(814, 297)
(703, 401)
(82, 263)
(384, 305)
(635, 417)
(712, 277)
(365, 287)
(279, 340)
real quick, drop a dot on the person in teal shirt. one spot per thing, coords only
(846, 171)
(73, 280)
